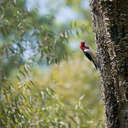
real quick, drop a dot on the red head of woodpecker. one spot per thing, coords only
(89, 53)
(83, 46)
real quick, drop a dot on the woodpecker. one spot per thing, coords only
(89, 53)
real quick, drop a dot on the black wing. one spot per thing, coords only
(90, 58)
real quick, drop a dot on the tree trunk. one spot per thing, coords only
(110, 23)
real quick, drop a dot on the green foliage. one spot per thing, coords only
(66, 93)
(63, 98)
(22, 30)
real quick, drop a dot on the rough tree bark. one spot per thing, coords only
(110, 23)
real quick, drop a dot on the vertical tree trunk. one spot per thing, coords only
(110, 23)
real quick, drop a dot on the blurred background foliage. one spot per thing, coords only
(45, 80)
